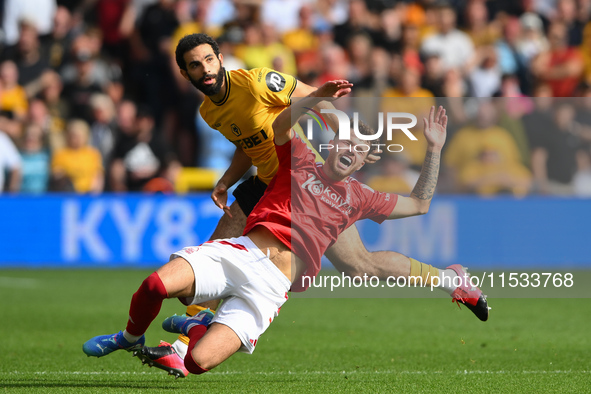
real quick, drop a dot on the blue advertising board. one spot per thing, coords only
(141, 230)
(75, 230)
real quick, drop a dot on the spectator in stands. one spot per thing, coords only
(396, 176)
(51, 94)
(77, 93)
(13, 97)
(489, 174)
(531, 43)
(378, 80)
(409, 97)
(39, 13)
(432, 78)
(561, 66)
(78, 166)
(454, 84)
(56, 46)
(102, 129)
(27, 54)
(116, 20)
(301, 38)
(554, 152)
(330, 12)
(453, 46)
(485, 78)
(281, 14)
(510, 117)
(359, 21)
(35, 160)
(532, 40)
(469, 142)
(359, 54)
(375, 43)
(10, 164)
(409, 85)
(262, 48)
(410, 45)
(566, 12)
(151, 71)
(482, 32)
(140, 155)
(281, 57)
(333, 65)
(53, 127)
(509, 60)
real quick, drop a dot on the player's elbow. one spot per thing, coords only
(422, 207)
(423, 210)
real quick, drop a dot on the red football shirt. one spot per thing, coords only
(307, 211)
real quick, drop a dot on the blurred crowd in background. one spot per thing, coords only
(91, 99)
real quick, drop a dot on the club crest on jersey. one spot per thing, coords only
(275, 81)
(335, 200)
(235, 130)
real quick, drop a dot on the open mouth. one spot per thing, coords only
(346, 161)
(209, 80)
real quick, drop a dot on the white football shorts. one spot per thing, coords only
(252, 287)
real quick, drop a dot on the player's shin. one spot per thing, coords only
(422, 275)
(195, 334)
(145, 306)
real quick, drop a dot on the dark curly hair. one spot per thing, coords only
(191, 41)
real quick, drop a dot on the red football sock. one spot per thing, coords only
(146, 304)
(195, 334)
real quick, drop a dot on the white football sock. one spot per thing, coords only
(130, 338)
(446, 282)
(181, 348)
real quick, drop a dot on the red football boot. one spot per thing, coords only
(164, 357)
(469, 295)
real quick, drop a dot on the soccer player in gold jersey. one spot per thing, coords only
(242, 105)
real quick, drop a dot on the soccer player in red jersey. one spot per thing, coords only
(284, 238)
(242, 105)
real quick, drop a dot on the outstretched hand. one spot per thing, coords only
(220, 197)
(334, 89)
(435, 127)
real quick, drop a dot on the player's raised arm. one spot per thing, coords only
(290, 116)
(420, 199)
(303, 90)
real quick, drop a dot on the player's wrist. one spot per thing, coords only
(222, 184)
(434, 148)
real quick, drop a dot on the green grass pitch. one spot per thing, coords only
(315, 345)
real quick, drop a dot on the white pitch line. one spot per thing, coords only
(304, 373)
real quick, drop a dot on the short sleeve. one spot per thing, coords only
(294, 153)
(272, 88)
(378, 205)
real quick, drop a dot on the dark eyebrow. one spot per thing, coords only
(198, 62)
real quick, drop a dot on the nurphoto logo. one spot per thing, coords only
(344, 132)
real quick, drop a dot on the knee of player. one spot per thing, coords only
(153, 285)
(198, 362)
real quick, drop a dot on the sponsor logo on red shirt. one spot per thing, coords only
(326, 194)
